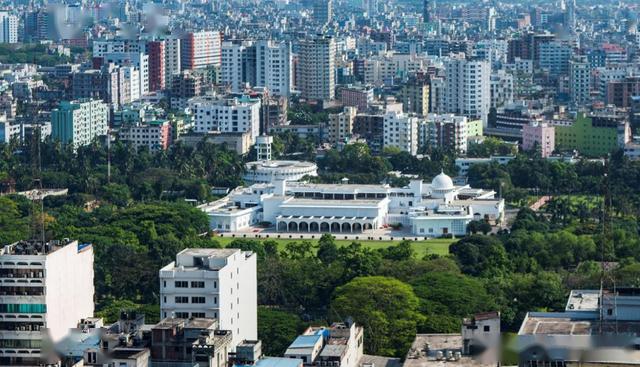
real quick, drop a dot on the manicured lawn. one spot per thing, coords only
(439, 246)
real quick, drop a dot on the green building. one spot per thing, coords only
(79, 122)
(592, 136)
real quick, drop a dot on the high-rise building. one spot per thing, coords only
(323, 11)
(199, 50)
(79, 122)
(213, 283)
(468, 87)
(154, 135)
(226, 115)
(426, 10)
(172, 59)
(54, 293)
(554, 57)
(580, 81)
(415, 97)
(274, 67)
(157, 59)
(501, 88)
(340, 125)
(8, 28)
(401, 132)
(140, 63)
(316, 68)
(570, 15)
(109, 84)
(448, 131)
(234, 69)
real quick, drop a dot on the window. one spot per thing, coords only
(197, 299)
(198, 314)
(182, 284)
(487, 328)
(197, 284)
(182, 315)
(182, 299)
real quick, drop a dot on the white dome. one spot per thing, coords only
(442, 182)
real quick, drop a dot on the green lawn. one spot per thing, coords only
(439, 246)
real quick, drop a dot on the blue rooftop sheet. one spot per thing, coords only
(278, 362)
(305, 341)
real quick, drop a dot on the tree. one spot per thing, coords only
(278, 329)
(480, 255)
(327, 249)
(450, 294)
(386, 307)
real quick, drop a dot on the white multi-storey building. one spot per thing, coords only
(274, 66)
(213, 283)
(226, 115)
(8, 28)
(501, 88)
(580, 81)
(467, 87)
(171, 59)
(199, 50)
(45, 289)
(138, 60)
(317, 68)
(400, 131)
(231, 70)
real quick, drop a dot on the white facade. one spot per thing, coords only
(171, 59)
(79, 122)
(232, 65)
(428, 210)
(268, 171)
(8, 28)
(226, 115)
(501, 89)
(468, 87)
(213, 283)
(580, 81)
(274, 67)
(138, 60)
(46, 290)
(400, 131)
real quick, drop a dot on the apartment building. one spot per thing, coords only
(467, 87)
(79, 122)
(400, 131)
(155, 135)
(356, 96)
(199, 50)
(339, 128)
(136, 66)
(415, 97)
(579, 81)
(46, 288)
(213, 283)
(223, 114)
(8, 27)
(448, 131)
(540, 135)
(316, 68)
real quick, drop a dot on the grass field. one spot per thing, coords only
(439, 246)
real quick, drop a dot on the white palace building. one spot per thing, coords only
(425, 209)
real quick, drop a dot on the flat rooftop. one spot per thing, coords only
(573, 323)
(583, 300)
(210, 252)
(339, 203)
(423, 352)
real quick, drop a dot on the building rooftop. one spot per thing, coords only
(38, 248)
(210, 252)
(430, 350)
(278, 362)
(583, 300)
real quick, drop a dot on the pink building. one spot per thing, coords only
(539, 133)
(356, 96)
(156, 135)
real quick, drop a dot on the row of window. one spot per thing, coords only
(194, 284)
(195, 299)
